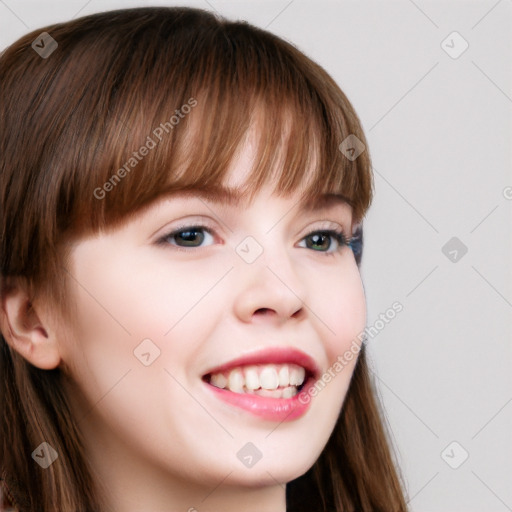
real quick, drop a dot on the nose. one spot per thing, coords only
(269, 289)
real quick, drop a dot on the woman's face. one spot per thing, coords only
(164, 321)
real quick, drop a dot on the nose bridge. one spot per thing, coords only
(268, 278)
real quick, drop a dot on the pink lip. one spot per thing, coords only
(269, 356)
(272, 409)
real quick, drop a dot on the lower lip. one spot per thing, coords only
(271, 409)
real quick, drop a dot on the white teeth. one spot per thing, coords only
(270, 393)
(289, 392)
(297, 375)
(236, 381)
(252, 379)
(218, 380)
(284, 376)
(269, 378)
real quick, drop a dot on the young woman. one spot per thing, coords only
(182, 311)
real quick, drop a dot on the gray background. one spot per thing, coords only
(439, 131)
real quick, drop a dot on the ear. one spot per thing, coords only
(27, 329)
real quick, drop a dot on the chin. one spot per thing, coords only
(282, 470)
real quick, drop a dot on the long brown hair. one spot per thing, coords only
(186, 85)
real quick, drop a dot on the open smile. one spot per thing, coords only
(268, 384)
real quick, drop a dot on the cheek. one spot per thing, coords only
(124, 308)
(339, 312)
(340, 309)
(132, 298)
(122, 303)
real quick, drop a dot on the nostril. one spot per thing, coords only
(263, 311)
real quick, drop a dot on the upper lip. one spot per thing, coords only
(275, 355)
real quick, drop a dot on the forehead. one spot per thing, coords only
(239, 197)
(236, 187)
(268, 160)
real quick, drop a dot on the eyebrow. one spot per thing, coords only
(235, 197)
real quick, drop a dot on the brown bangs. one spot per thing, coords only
(122, 113)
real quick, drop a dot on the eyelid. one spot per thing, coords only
(199, 221)
(325, 224)
(182, 224)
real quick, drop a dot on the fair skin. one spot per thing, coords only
(156, 437)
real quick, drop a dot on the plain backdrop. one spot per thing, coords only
(431, 82)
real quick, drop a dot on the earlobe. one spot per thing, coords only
(25, 329)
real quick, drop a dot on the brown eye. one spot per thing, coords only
(318, 239)
(189, 236)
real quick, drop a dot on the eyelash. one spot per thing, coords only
(354, 242)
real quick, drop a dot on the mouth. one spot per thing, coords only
(267, 384)
(267, 380)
